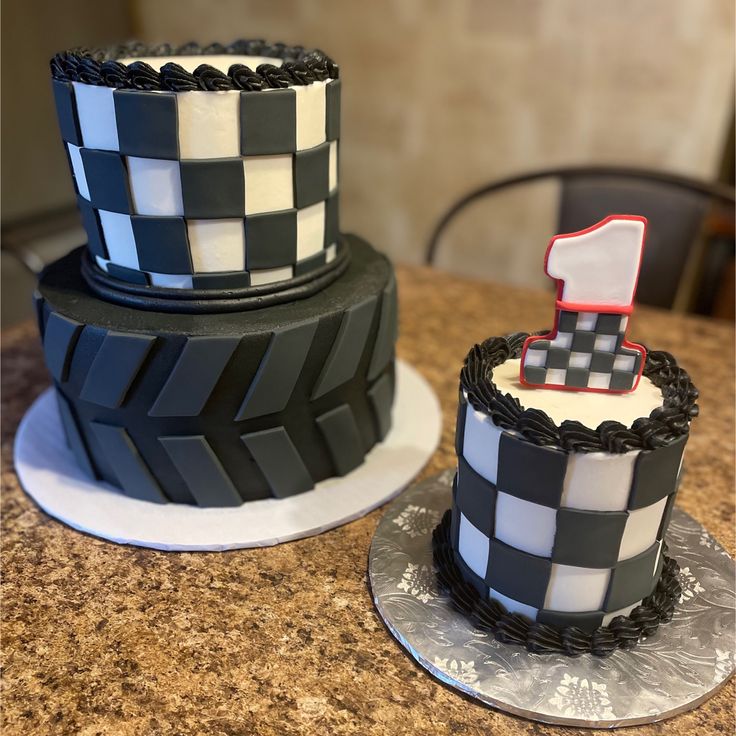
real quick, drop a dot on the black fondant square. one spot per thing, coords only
(535, 374)
(585, 620)
(162, 244)
(91, 223)
(531, 472)
(601, 362)
(147, 123)
(332, 219)
(632, 580)
(621, 380)
(233, 280)
(517, 574)
(588, 538)
(664, 524)
(476, 498)
(583, 342)
(332, 120)
(460, 425)
(127, 274)
(66, 112)
(558, 358)
(608, 324)
(655, 474)
(310, 264)
(107, 180)
(213, 188)
(311, 175)
(577, 377)
(267, 122)
(270, 240)
(539, 345)
(567, 321)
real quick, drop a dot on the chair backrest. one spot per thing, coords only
(674, 206)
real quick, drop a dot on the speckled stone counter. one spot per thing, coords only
(103, 639)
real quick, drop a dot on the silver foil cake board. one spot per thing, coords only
(684, 663)
(49, 474)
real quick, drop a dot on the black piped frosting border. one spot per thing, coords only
(624, 632)
(102, 67)
(662, 427)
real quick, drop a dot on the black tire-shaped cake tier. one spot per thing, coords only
(222, 408)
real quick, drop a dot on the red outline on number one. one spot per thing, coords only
(601, 309)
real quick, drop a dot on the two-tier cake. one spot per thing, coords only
(569, 448)
(217, 340)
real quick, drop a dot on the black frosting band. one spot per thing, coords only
(662, 427)
(102, 67)
(199, 301)
(624, 632)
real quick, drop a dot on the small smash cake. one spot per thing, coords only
(218, 340)
(569, 448)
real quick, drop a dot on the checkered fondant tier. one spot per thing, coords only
(188, 125)
(175, 185)
(174, 251)
(588, 351)
(564, 538)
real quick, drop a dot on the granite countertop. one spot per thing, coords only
(106, 639)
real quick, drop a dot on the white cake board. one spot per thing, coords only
(49, 474)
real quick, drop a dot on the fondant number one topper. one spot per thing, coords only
(596, 272)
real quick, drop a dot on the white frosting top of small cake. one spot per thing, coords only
(222, 62)
(584, 406)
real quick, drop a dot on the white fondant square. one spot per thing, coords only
(171, 280)
(216, 245)
(119, 238)
(269, 183)
(513, 606)
(598, 481)
(621, 612)
(580, 360)
(480, 444)
(586, 321)
(573, 589)
(641, 529)
(599, 380)
(524, 525)
(310, 230)
(624, 363)
(155, 186)
(96, 112)
(556, 376)
(473, 546)
(310, 115)
(536, 358)
(78, 168)
(271, 275)
(562, 340)
(605, 343)
(330, 253)
(333, 165)
(209, 124)
(623, 324)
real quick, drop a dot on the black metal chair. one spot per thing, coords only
(676, 207)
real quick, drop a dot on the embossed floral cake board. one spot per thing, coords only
(683, 664)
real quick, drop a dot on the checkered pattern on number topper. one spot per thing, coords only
(596, 272)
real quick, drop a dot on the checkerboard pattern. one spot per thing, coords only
(586, 352)
(178, 188)
(563, 538)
